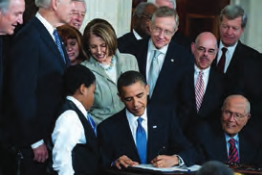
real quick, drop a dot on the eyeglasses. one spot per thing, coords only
(209, 51)
(158, 30)
(237, 116)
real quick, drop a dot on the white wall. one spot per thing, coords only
(117, 12)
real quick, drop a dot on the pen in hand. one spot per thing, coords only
(161, 150)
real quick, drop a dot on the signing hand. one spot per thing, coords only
(124, 161)
(163, 161)
(40, 153)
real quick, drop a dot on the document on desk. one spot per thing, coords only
(171, 169)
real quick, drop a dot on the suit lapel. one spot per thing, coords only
(47, 38)
(220, 144)
(142, 58)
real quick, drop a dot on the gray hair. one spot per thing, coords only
(140, 9)
(81, 1)
(172, 1)
(214, 168)
(166, 12)
(42, 3)
(4, 5)
(233, 12)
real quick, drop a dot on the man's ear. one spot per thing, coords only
(54, 4)
(147, 89)
(82, 89)
(120, 96)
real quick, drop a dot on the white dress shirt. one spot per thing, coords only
(50, 29)
(138, 37)
(132, 120)
(205, 76)
(68, 132)
(229, 54)
(161, 58)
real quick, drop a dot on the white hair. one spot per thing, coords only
(172, 1)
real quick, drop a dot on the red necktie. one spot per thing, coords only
(221, 63)
(233, 153)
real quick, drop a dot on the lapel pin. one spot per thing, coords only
(154, 126)
(172, 60)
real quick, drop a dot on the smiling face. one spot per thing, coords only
(11, 17)
(234, 115)
(134, 97)
(63, 10)
(72, 49)
(163, 29)
(98, 48)
(230, 30)
(204, 50)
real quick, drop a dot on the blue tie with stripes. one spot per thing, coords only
(58, 44)
(141, 144)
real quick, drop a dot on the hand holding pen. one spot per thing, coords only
(163, 161)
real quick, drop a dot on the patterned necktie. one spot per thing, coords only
(58, 44)
(91, 122)
(141, 144)
(153, 71)
(233, 153)
(199, 90)
(221, 63)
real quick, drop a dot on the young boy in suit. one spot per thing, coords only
(75, 148)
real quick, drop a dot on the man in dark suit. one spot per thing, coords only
(37, 62)
(141, 27)
(230, 141)
(11, 14)
(120, 136)
(233, 54)
(162, 61)
(201, 92)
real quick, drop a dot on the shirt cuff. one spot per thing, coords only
(180, 160)
(37, 144)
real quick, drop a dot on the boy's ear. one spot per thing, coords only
(82, 88)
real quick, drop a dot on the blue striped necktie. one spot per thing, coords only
(58, 44)
(141, 144)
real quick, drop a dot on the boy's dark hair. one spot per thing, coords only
(128, 78)
(75, 76)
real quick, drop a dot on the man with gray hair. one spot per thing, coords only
(141, 27)
(168, 3)
(214, 168)
(79, 13)
(229, 141)
(37, 62)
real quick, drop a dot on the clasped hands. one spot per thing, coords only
(161, 161)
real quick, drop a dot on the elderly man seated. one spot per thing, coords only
(230, 141)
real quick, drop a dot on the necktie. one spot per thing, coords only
(91, 122)
(199, 90)
(141, 144)
(233, 153)
(58, 44)
(221, 63)
(153, 71)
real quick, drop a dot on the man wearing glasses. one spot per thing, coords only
(201, 92)
(229, 142)
(162, 61)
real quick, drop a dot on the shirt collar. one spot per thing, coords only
(133, 118)
(152, 47)
(205, 71)
(47, 25)
(138, 37)
(230, 49)
(235, 137)
(78, 104)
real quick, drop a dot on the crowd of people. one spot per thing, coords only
(80, 104)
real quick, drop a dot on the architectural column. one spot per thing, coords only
(116, 12)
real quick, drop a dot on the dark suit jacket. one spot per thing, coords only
(182, 40)
(236, 69)
(127, 42)
(115, 137)
(211, 144)
(177, 63)
(211, 104)
(35, 83)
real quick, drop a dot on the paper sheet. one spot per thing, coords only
(171, 169)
